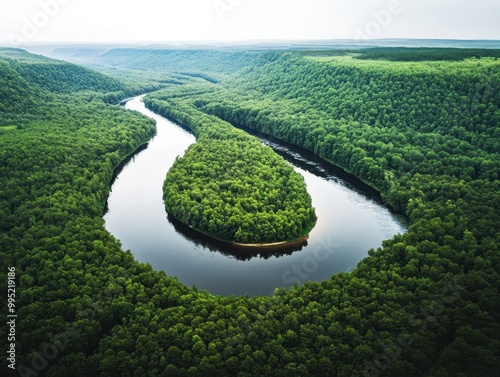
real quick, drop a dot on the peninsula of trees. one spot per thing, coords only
(231, 187)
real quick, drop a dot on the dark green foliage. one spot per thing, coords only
(56, 76)
(66, 78)
(425, 134)
(55, 170)
(239, 191)
(424, 304)
(408, 54)
(429, 54)
(381, 120)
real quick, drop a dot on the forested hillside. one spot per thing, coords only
(385, 121)
(56, 77)
(209, 64)
(58, 152)
(420, 128)
(424, 304)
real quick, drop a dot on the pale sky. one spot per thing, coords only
(236, 20)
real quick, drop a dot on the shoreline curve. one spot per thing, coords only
(271, 246)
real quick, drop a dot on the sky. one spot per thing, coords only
(23, 21)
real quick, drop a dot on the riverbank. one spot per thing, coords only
(254, 247)
(138, 219)
(284, 245)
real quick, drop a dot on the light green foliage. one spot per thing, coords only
(238, 191)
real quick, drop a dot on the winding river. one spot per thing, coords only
(351, 220)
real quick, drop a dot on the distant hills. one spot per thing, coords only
(84, 51)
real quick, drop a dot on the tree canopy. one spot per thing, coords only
(426, 303)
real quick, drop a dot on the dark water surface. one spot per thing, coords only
(351, 220)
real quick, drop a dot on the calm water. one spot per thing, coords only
(351, 220)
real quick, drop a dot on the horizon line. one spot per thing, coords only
(266, 40)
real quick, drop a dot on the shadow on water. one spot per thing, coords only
(350, 214)
(316, 165)
(239, 253)
(123, 164)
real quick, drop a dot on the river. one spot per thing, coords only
(351, 220)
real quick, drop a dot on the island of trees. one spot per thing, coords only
(422, 128)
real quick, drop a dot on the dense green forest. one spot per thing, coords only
(231, 187)
(425, 133)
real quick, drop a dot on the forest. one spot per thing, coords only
(229, 186)
(424, 131)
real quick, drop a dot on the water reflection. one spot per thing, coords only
(351, 220)
(308, 161)
(227, 249)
